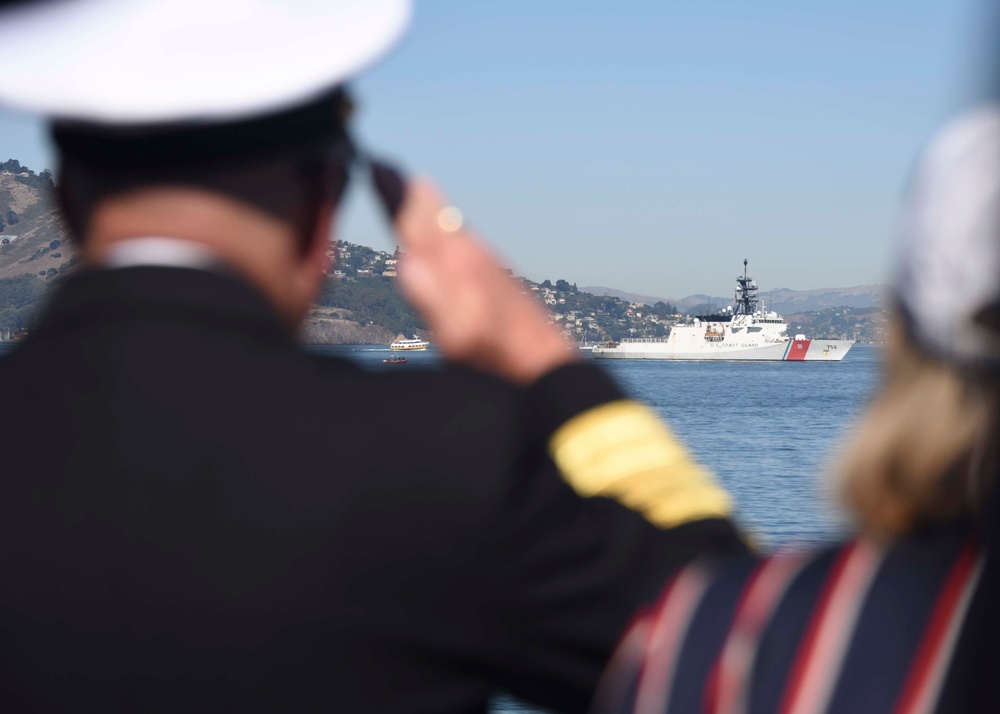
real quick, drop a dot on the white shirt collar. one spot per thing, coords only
(161, 252)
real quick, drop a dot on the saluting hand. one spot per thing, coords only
(478, 313)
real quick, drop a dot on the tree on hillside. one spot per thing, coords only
(662, 309)
(357, 260)
(20, 291)
(372, 300)
(42, 180)
(9, 319)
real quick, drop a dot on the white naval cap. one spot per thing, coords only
(947, 248)
(128, 62)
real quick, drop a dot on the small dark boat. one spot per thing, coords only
(395, 359)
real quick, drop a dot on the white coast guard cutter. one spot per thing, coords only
(742, 332)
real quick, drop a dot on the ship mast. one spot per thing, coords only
(746, 293)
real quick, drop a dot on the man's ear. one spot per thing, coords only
(72, 215)
(312, 265)
(315, 257)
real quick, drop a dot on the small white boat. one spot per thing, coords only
(584, 345)
(415, 344)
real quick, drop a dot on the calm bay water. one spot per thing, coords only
(770, 431)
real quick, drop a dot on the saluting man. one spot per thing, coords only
(197, 515)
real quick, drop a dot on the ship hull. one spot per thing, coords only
(790, 351)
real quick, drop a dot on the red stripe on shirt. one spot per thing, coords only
(727, 684)
(820, 657)
(669, 625)
(945, 609)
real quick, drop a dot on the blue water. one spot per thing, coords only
(770, 431)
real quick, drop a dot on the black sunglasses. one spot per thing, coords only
(387, 180)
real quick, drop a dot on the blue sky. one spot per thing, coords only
(651, 146)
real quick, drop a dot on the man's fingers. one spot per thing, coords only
(417, 224)
(424, 285)
(426, 224)
(476, 311)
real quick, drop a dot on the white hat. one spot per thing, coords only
(947, 276)
(120, 62)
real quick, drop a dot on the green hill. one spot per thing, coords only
(34, 245)
(35, 250)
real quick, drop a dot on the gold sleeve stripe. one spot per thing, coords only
(622, 450)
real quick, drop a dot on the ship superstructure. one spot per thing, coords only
(405, 345)
(744, 331)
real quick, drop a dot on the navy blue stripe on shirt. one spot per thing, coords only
(780, 641)
(892, 623)
(709, 627)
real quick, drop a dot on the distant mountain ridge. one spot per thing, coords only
(783, 300)
(625, 295)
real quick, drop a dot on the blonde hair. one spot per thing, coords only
(927, 448)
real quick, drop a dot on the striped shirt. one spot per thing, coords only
(858, 628)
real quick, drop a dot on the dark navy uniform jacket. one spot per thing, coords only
(197, 515)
